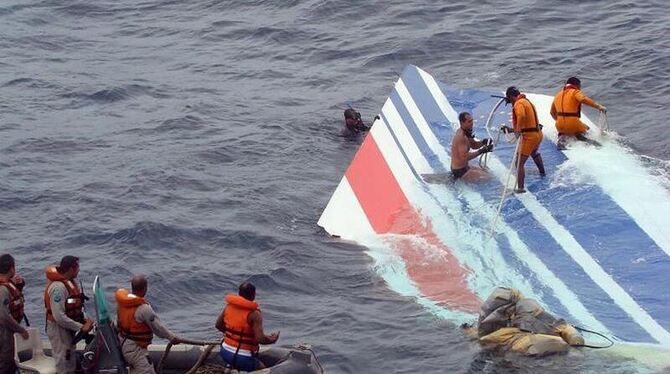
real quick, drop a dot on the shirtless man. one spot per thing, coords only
(463, 142)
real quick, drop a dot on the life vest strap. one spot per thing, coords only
(241, 338)
(148, 337)
(531, 129)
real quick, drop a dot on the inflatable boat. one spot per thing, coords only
(102, 353)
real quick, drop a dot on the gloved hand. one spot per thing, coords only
(376, 118)
(602, 108)
(486, 149)
(487, 141)
(506, 129)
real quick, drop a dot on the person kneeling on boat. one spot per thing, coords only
(527, 127)
(511, 322)
(463, 141)
(242, 325)
(137, 323)
(566, 109)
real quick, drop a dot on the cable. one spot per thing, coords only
(305, 347)
(203, 356)
(595, 333)
(516, 159)
(205, 353)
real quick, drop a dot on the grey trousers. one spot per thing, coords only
(7, 364)
(136, 357)
(64, 351)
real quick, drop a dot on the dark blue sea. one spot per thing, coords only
(198, 142)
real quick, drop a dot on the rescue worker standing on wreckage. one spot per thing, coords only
(137, 323)
(566, 109)
(527, 127)
(11, 312)
(64, 304)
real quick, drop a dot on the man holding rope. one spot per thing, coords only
(566, 109)
(241, 322)
(527, 127)
(137, 323)
(464, 140)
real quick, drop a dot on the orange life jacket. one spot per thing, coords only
(238, 330)
(129, 328)
(74, 303)
(530, 123)
(566, 103)
(16, 302)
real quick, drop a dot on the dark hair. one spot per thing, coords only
(138, 283)
(350, 113)
(512, 92)
(247, 291)
(574, 81)
(6, 263)
(67, 263)
(462, 116)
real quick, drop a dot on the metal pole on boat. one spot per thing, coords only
(484, 158)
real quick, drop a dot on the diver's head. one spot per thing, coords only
(467, 123)
(574, 81)
(511, 94)
(350, 114)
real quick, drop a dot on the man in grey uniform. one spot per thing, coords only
(137, 323)
(11, 312)
(63, 301)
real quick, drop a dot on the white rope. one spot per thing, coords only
(516, 159)
(602, 123)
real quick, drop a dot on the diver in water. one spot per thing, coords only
(527, 127)
(567, 110)
(463, 141)
(353, 124)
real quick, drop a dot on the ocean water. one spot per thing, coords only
(198, 142)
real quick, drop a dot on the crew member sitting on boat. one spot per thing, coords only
(242, 325)
(463, 141)
(353, 124)
(566, 109)
(137, 323)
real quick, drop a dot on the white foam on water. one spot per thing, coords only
(391, 267)
(620, 173)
